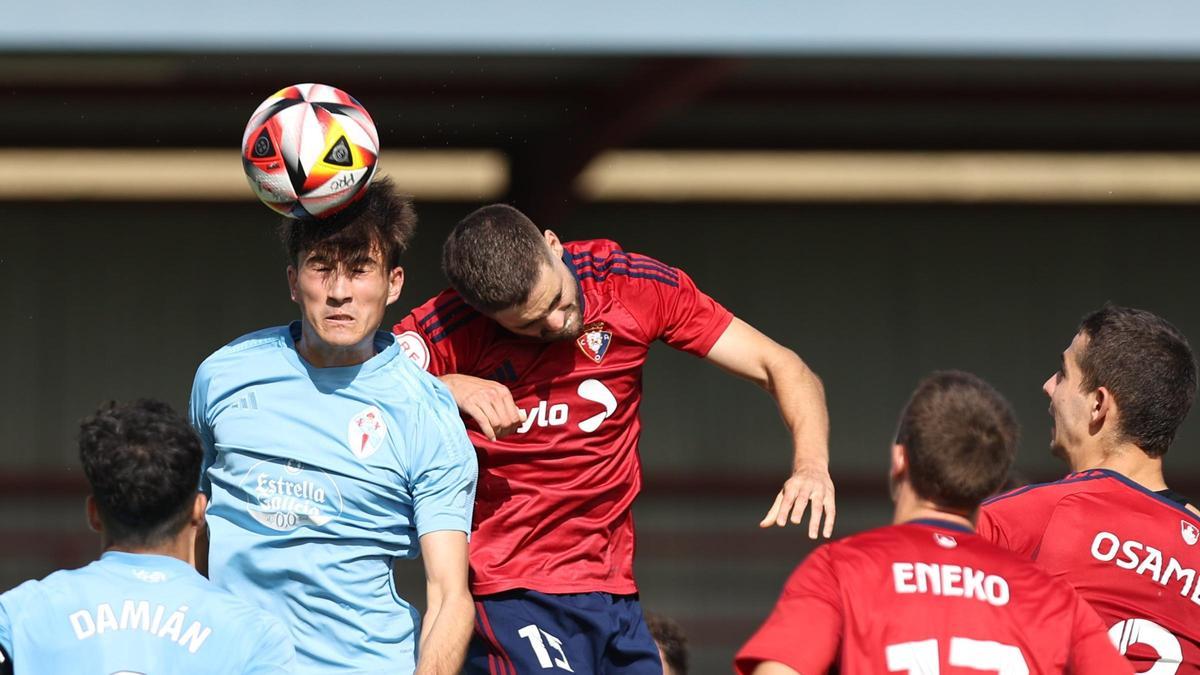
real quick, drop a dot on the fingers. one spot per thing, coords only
(769, 519)
(830, 513)
(491, 406)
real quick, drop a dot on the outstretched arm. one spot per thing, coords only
(747, 353)
(450, 614)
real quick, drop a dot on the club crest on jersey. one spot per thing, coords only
(595, 341)
(1190, 532)
(366, 433)
(945, 540)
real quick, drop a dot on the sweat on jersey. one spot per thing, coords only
(928, 596)
(318, 479)
(1132, 554)
(138, 613)
(553, 509)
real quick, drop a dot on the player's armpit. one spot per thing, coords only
(489, 404)
(450, 614)
(744, 351)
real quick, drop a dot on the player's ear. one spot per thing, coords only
(199, 506)
(553, 242)
(395, 283)
(93, 515)
(293, 286)
(1101, 406)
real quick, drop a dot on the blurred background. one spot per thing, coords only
(887, 188)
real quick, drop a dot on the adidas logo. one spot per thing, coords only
(247, 401)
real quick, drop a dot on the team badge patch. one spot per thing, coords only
(595, 341)
(366, 433)
(1189, 531)
(945, 540)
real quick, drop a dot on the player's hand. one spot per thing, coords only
(489, 403)
(809, 485)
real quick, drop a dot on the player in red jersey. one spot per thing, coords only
(542, 344)
(927, 595)
(1112, 528)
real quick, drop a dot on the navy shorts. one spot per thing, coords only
(525, 632)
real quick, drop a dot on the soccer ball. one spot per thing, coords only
(309, 150)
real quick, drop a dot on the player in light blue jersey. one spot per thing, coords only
(142, 607)
(330, 454)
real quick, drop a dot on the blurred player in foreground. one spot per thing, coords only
(672, 643)
(542, 344)
(329, 455)
(927, 594)
(1112, 528)
(142, 607)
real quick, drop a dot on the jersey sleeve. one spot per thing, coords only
(442, 335)
(274, 654)
(667, 305)
(6, 628)
(1092, 652)
(198, 414)
(444, 476)
(804, 630)
(13, 604)
(1015, 522)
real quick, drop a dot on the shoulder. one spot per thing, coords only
(438, 318)
(244, 347)
(1048, 495)
(603, 261)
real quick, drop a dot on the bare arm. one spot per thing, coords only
(450, 614)
(747, 353)
(489, 404)
(774, 668)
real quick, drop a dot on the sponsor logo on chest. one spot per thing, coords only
(545, 414)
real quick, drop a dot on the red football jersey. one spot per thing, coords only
(1130, 553)
(925, 597)
(552, 510)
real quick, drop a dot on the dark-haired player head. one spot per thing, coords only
(512, 272)
(142, 461)
(926, 595)
(343, 272)
(1122, 390)
(672, 643)
(1112, 528)
(954, 445)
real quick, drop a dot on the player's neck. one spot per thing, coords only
(909, 507)
(1131, 462)
(181, 548)
(321, 355)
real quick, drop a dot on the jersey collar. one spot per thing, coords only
(386, 349)
(147, 561)
(940, 524)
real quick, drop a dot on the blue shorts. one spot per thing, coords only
(525, 632)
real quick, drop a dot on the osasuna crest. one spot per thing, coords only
(594, 341)
(366, 433)
(1189, 531)
(945, 540)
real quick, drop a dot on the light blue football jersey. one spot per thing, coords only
(318, 479)
(138, 614)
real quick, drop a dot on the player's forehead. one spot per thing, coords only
(1071, 354)
(337, 253)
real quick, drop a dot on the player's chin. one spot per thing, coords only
(565, 334)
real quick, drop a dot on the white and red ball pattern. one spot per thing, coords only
(309, 150)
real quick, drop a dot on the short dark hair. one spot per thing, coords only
(143, 462)
(493, 257)
(960, 437)
(382, 219)
(670, 639)
(1148, 366)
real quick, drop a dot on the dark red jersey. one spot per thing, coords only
(552, 511)
(928, 597)
(1132, 554)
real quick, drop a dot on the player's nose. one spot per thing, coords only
(1049, 384)
(555, 321)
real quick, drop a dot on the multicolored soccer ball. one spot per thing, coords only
(309, 150)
